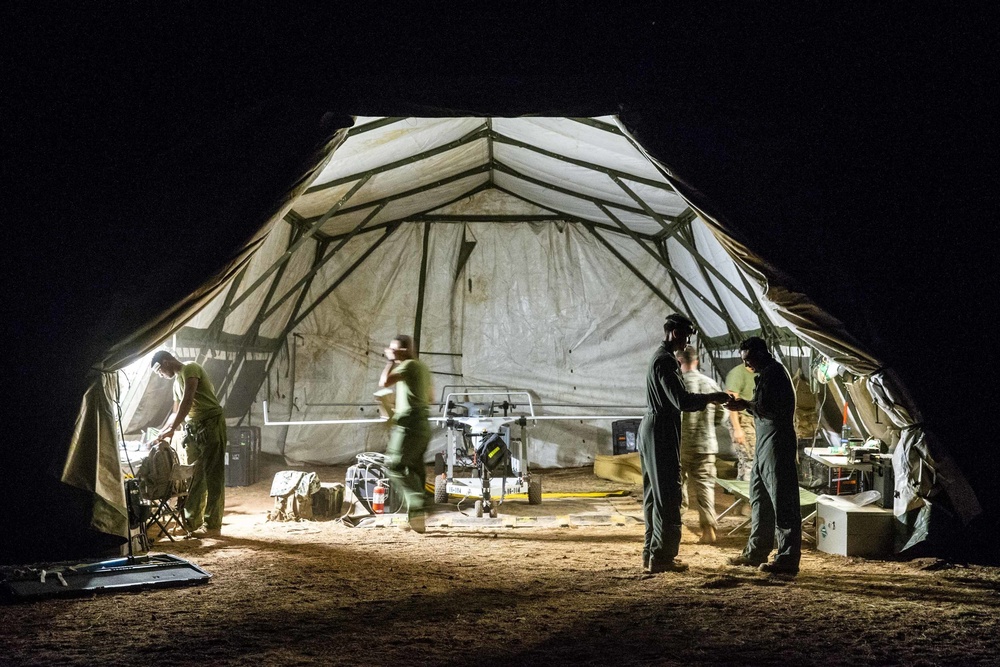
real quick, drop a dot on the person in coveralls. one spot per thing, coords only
(659, 447)
(774, 488)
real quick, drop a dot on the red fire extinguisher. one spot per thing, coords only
(378, 499)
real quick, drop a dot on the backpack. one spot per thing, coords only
(292, 491)
(156, 474)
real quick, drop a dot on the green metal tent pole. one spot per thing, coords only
(253, 331)
(342, 278)
(598, 201)
(325, 257)
(666, 265)
(318, 259)
(375, 125)
(631, 267)
(477, 134)
(648, 283)
(504, 139)
(219, 321)
(733, 329)
(672, 233)
(481, 169)
(567, 217)
(712, 350)
(421, 286)
(598, 124)
(765, 323)
(305, 236)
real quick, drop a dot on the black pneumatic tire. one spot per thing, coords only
(535, 490)
(440, 490)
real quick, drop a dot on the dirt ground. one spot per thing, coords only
(555, 584)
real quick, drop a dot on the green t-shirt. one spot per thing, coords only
(205, 403)
(741, 381)
(414, 389)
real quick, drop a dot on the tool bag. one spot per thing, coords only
(292, 491)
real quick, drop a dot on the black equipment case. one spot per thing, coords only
(242, 455)
(625, 436)
(884, 480)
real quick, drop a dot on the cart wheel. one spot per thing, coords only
(493, 512)
(440, 490)
(479, 509)
(535, 490)
(439, 465)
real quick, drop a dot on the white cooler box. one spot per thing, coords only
(849, 530)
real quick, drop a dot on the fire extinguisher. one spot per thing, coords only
(378, 499)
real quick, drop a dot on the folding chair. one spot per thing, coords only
(167, 513)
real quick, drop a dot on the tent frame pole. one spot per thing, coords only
(294, 322)
(660, 185)
(323, 259)
(317, 262)
(733, 329)
(219, 321)
(253, 331)
(305, 236)
(646, 281)
(710, 347)
(672, 232)
(481, 169)
(666, 265)
(421, 287)
(480, 132)
(631, 267)
(597, 201)
(567, 217)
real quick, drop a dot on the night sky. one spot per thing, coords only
(854, 148)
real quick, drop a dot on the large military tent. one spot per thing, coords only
(535, 243)
(531, 253)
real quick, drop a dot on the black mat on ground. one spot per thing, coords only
(42, 581)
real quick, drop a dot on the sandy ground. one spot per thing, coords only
(555, 584)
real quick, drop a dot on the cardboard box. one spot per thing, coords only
(848, 530)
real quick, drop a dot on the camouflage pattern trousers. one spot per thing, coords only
(698, 481)
(744, 453)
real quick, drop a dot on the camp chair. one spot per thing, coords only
(167, 513)
(741, 490)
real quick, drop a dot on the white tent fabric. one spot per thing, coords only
(569, 225)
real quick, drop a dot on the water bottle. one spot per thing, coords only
(845, 439)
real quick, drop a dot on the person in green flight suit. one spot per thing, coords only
(410, 430)
(659, 447)
(198, 410)
(774, 488)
